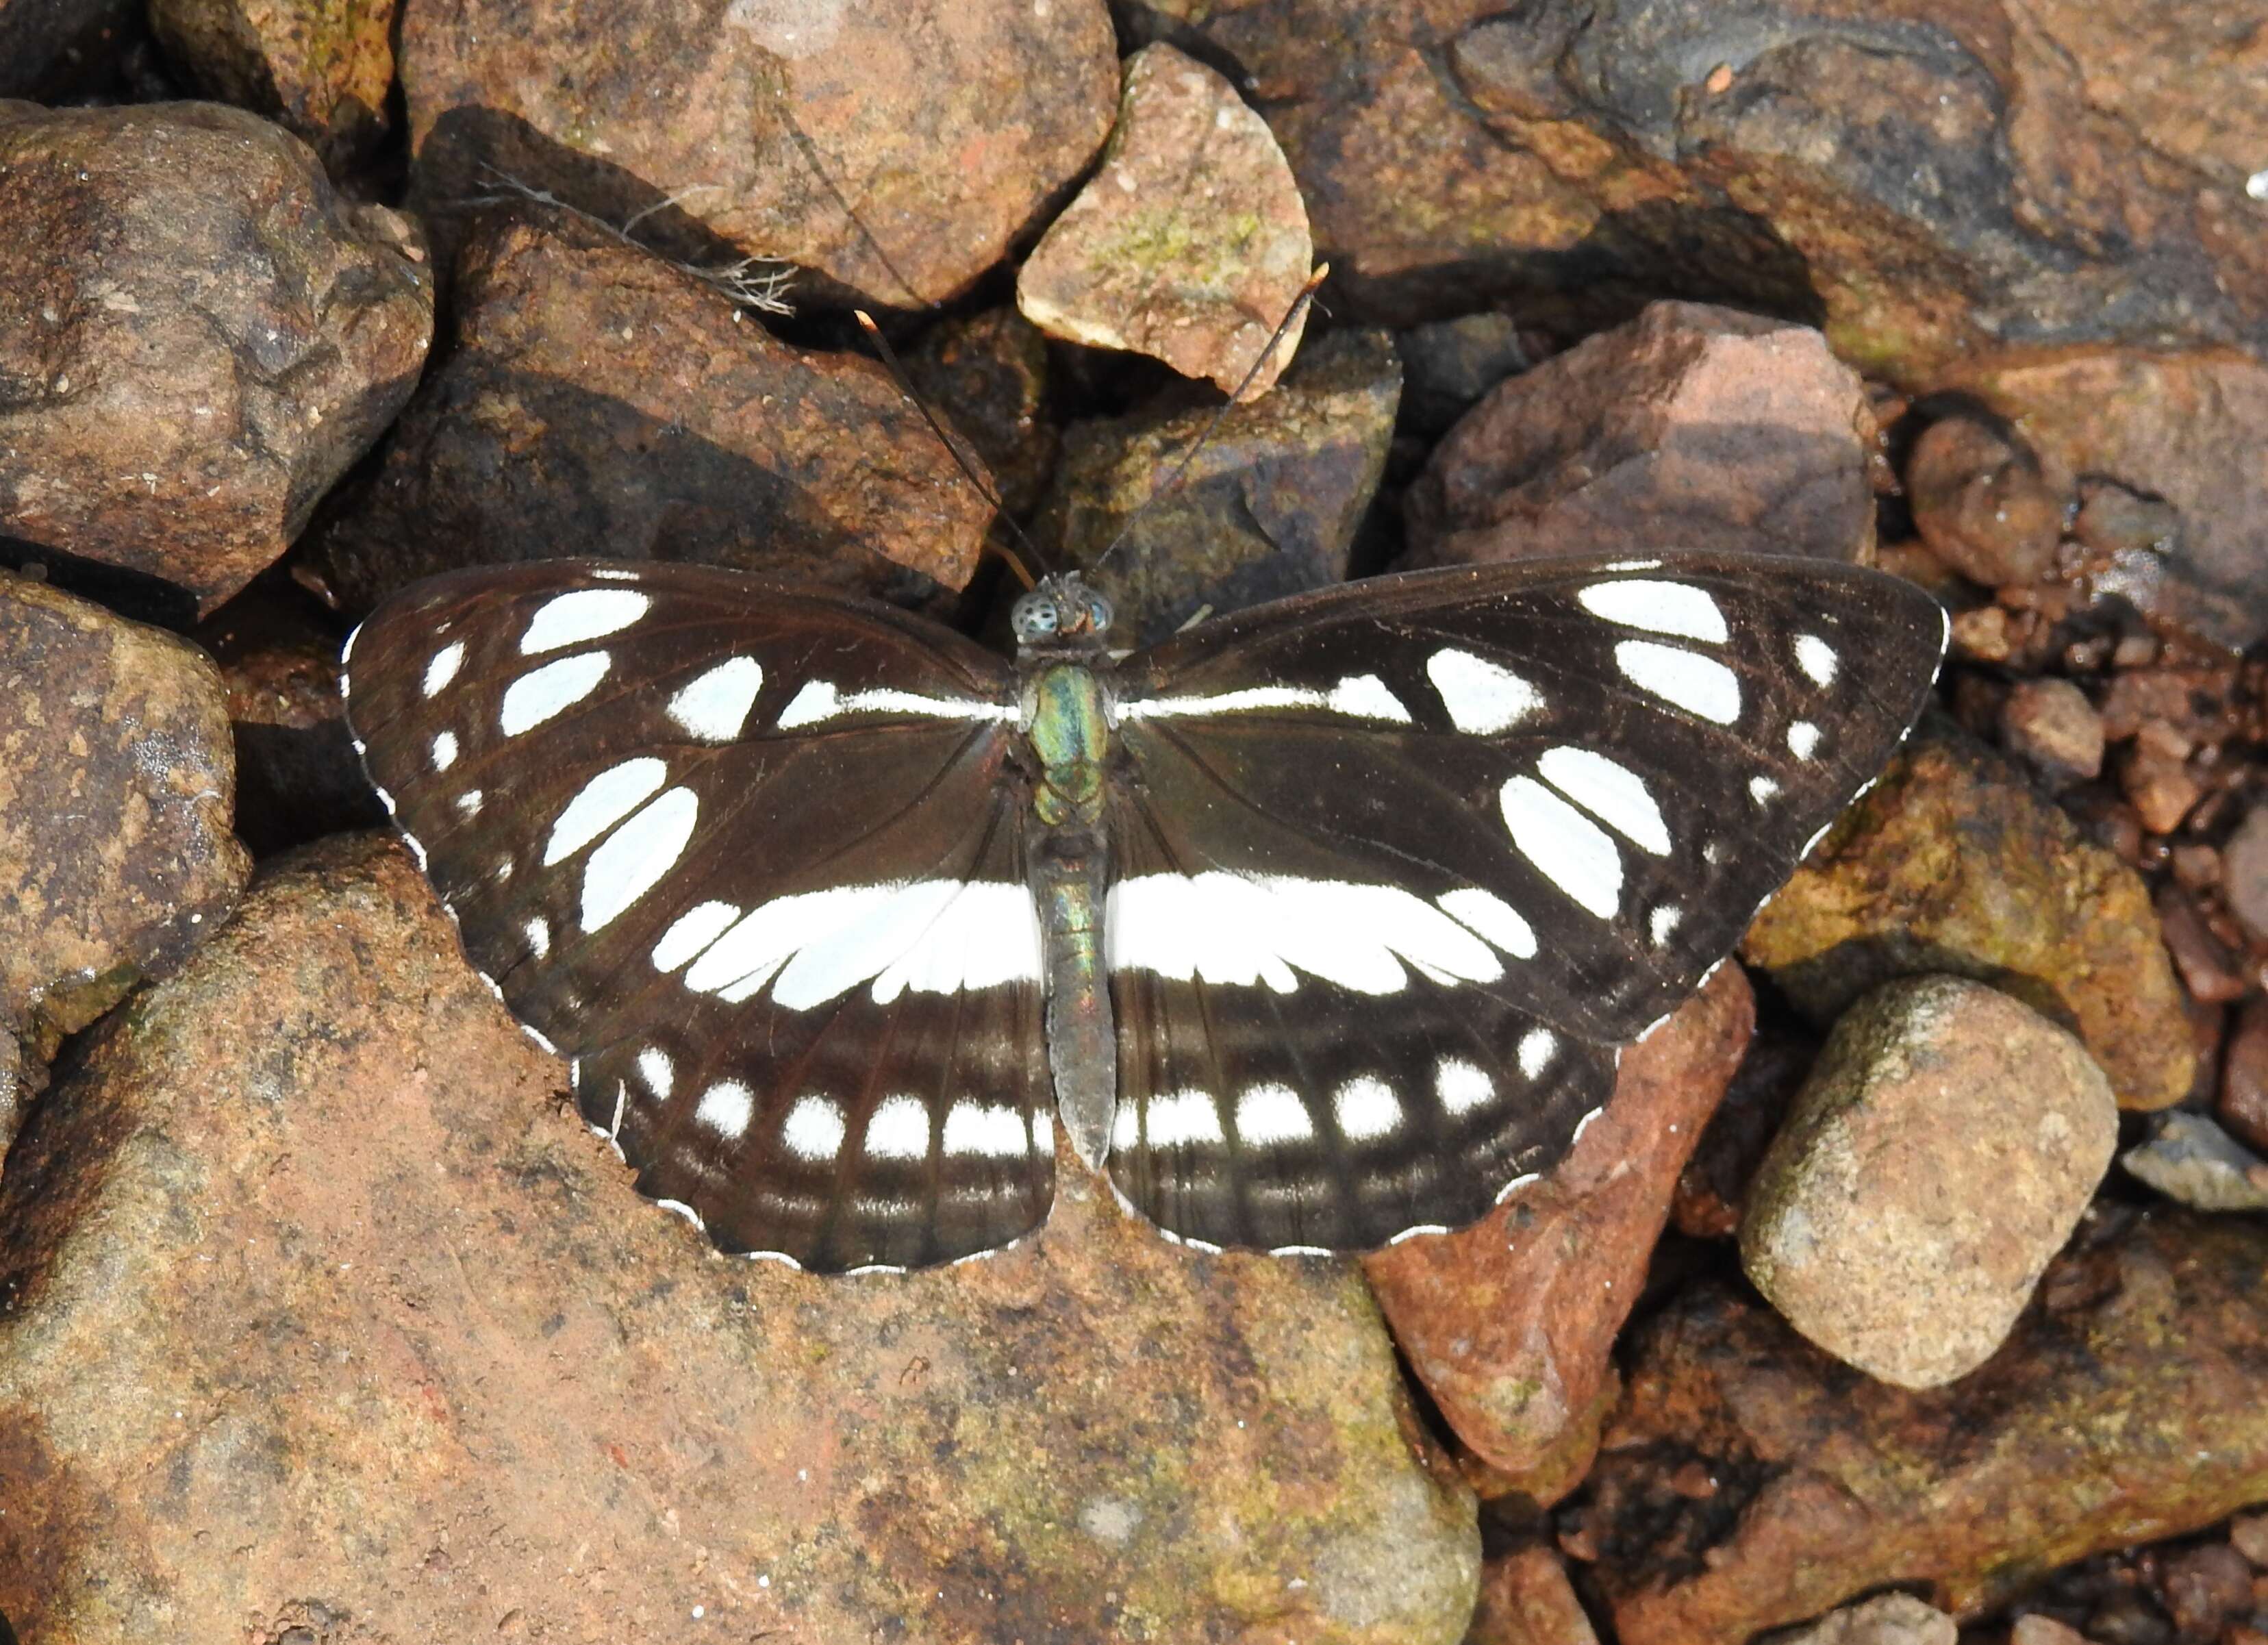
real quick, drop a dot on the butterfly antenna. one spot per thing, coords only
(1181, 469)
(983, 489)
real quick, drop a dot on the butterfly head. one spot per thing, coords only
(1062, 610)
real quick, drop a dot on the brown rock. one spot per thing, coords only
(2158, 781)
(2247, 1534)
(1691, 427)
(2129, 1412)
(597, 401)
(1980, 504)
(1885, 1619)
(1508, 1323)
(116, 778)
(1525, 1599)
(1938, 1157)
(1267, 508)
(2244, 873)
(49, 47)
(2207, 968)
(2185, 427)
(312, 1294)
(1188, 245)
(200, 334)
(986, 374)
(2244, 1105)
(1951, 864)
(897, 149)
(322, 69)
(2206, 1588)
(2050, 725)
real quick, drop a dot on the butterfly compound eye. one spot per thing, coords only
(1099, 613)
(1036, 616)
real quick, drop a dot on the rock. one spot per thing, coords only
(896, 150)
(116, 779)
(315, 1296)
(2124, 1409)
(2050, 725)
(1455, 153)
(1509, 1322)
(1691, 427)
(2194, 1160)
(2244, 873)
(2243, 1106)
(1714, 1184)
(1885, 1619)
(200, 337)
(2206, 1588)
(597, 401)
(2247, 1534)
(1938, 1157)
(1448, 364)
(2184, 427)
(986, 374)
(1525, 1599)
(321, 68)
(48, 47)
(1951, 864)
(2207, 971)
(2158, 781)
(1188, 245)
(297, 775)
(2034, 1629)
(1267, 508)
(1980, 504)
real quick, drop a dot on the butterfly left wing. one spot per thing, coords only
(1400, 863)
(751, 857)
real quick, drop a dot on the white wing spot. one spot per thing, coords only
(1493, 917)
(1816, 658)
(468, 803)
(1366, 1109)
(603, 801)
(654, 1068)
(727, 1106)
(1358, 696)
(1366, 696)
(1184, 1116)
(1660, 608)
(568, 619)
(445, 750)
(1460, 1086)
(444, 666)
(994, 1130)
(1535, 1049)
(630, 859)
(1762, 789)
(1664, 921)
(1272, 1114)
(692, 932)
(715, 706)
(898, 1130)
(538, 933)
(933, 936)
(819, 700)
(814, 1130)
(1699, 685)
(1567, 848)
(539, 694)
(1610, 791)
(1803, 739)
(1483, 697)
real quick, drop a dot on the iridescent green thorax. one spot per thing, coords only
(1064, 717)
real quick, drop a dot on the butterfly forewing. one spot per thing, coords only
(753, 859)
(1501, 818)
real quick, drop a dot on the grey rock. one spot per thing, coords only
(1885, 1619)
(2194, 1160)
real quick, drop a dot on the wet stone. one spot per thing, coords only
(446, 1307)
(1722, 430)
(2194, 1160)
(1189, 244)
(1938, 1157)
(1952, 863)
(204, 335)
(597, 401)
(2050, 725)
(1269, 507)
(1979, 502)
(321, 68)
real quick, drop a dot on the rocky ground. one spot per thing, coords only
(1914, 1287)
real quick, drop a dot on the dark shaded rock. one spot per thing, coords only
(1688, 428)
(1979, 502)
(2050, 725)
(1951, 864)
(1448, 364)
(1189, 244)
(1714, 1184)
(1269, 507)
(1508, 1323)
(896, 150)
(323, 70)
(1886, 1620)
(1938, 1157)
(1525, 1599)
(309, 1286)
(1771, 155)
(2243, 1106)
(2244, 873)
(116, 778)
(599, 401)
(987, 375)
(2127, 1408)
(2206, 1588)
(2194, 1160)
(2207, 969)
(47, 47)
(2183, 428)
(198, 336)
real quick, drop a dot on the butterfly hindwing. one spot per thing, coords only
(1506, 816)
(752, 857)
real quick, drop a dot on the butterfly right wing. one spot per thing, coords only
(751, 857)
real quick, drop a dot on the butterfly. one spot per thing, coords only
(1313, 926)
